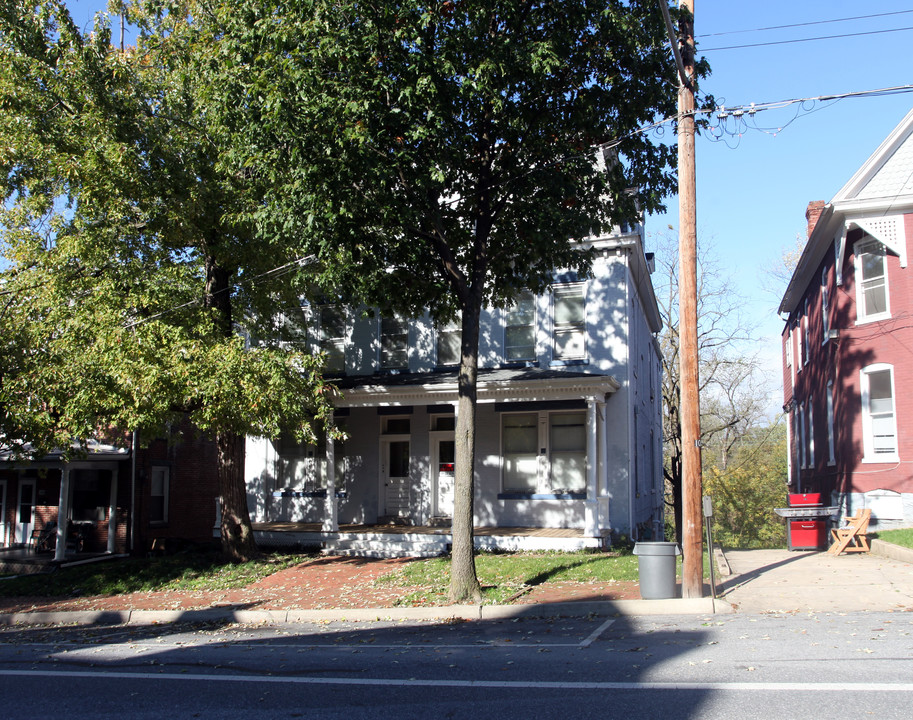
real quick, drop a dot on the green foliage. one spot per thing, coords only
(748, 489)
(127, 272)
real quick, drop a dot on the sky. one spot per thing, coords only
(754, 184)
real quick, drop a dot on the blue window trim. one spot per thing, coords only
(567, 363)
(541, 496)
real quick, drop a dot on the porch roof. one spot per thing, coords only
(494, 385)
(90, 456)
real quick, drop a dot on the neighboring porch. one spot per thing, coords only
(387, 540)
(26, 561)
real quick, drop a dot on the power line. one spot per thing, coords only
(807, 24)
(801, 40)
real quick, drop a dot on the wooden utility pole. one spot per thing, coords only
(692, 548)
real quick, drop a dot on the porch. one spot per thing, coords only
(26, 561)
(388, 540)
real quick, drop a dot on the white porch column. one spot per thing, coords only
(63, 509)
(591, 523)
(331, 507)
(602, 489)
(112, 513)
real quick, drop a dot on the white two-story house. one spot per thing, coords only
(568, 438)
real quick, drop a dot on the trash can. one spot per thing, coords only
(656, 565)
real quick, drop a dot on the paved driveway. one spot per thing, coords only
(784, 581)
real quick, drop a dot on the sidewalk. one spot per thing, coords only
(780, 581)
(331, 588)
(326, 589)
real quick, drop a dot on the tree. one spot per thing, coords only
(746, 491)
(128, 282)
(443, 156)
(731, 388)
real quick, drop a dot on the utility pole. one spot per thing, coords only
(692, 537)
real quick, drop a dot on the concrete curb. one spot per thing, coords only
(891, 551)
(676, 606)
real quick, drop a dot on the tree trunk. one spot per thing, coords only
(464, 585)
(237, 534)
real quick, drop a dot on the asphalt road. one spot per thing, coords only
(810, 665)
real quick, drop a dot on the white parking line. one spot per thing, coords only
(596, 633)
(803, 687)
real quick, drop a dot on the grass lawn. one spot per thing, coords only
(507, 575)
(903, 536)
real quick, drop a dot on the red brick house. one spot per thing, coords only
(163, 494)
(848, 342)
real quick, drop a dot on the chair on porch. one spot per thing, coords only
(852, 536)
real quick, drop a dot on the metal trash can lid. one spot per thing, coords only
(657, 548)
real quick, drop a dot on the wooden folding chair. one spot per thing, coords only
(851, 537)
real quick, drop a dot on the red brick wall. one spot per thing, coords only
(841, 360)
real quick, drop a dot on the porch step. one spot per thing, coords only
(386, 546)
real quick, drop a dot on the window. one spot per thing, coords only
(825, 307)
(810, 454)
(879, 427)
(394, 343)
(332, 337)
(520, 329)
(567, 452)
(520, 443)
(831, 457)
(569, 323)
(871, 281)
(158, 492)
(544, 452)
(448, 342)
(803, 333)
(788, 347)
(397, 426)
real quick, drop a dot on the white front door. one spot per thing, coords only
(25, 512)
(397, 483)
(443, 461)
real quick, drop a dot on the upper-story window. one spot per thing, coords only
(449, 337)
(825, 307)
(520, 329)
(394, 343)
(879, 425)
(788, 345)
(803, 334)
(871, 281)
(332, 337)
(569, 322)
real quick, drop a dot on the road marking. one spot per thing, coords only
(498, 684)
(596, 633)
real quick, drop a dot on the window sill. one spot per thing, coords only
(881, 459)
(873, 318)
(541, 496)
(307, 494)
